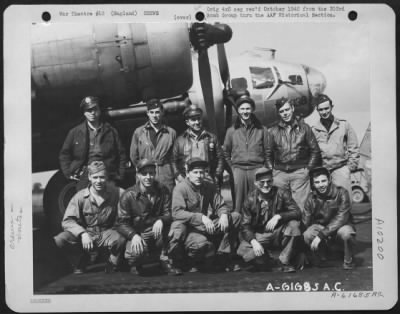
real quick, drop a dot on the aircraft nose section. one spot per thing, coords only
(316, 81)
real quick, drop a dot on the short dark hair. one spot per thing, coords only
(283, 100)
(319, 171)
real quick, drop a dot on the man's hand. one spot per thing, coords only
(223, 222)
(257, 247)
(137, 244)
(315, 243)
(87, 242)
(157, 228)
(208, 223)
(271, 224)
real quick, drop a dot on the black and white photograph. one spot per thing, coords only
(207, 156)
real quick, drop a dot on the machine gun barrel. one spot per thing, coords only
(139, 110)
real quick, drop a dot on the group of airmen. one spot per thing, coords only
(292, 191)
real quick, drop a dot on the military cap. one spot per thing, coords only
(281, 101)
(89, 102)
(262, 172)
(192, 111)
(96, 166)
(321, 99)
(196, 162)
(154, 104)
(244, 97)
(145, 162)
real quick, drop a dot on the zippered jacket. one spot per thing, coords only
(257, 213)
(294, 148)
(75, 150)
(339, 145)
(245, 146)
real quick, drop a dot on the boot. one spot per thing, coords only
(170, 269)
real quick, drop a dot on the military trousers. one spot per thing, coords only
(297, 182)
(152, 248)
(198, 244)
(345, 234)
(108, 239)
(282, 238)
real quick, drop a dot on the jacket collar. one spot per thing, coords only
(189, 133)
(295, 123)
(194, 187)
(88, 194)
(84, 127)
(163, 127)
(334, 126)
(254, 122)
(270, 195)
(138, 192)
(91, 127)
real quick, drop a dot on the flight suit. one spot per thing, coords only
(189, 204)
(137, 215)
(257, 212)
(204, 146)
(83, 214)
(142, 147)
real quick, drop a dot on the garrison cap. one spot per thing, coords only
(89, 102)
(192, 111)
(281, 101)
(321, 99)
(244, 97)
(263, 172)
(145, 162)
(153, 104)
(196, 162)
(96, 166)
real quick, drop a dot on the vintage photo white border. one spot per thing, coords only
(380, 20)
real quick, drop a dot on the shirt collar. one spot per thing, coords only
(246, 126)
(269, 196)
(328, 121)
(93, 128)
(138, 192)
(88, 194)
(194, 187)
(163, 127)
(194, 135)
(294, 123)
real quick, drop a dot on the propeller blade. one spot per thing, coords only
(223, 65)
(206, 86)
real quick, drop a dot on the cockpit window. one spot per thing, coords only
(296, 79)
(262, 77)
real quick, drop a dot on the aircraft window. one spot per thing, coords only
(296, 79)
(262, 77)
